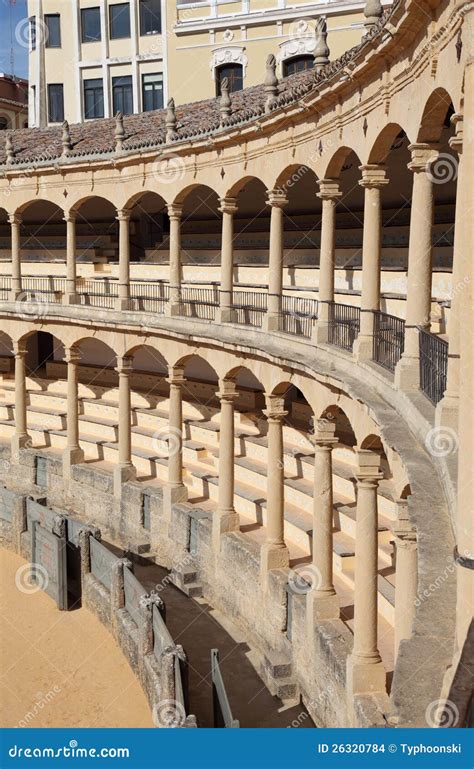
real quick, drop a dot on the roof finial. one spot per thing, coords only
(321, 50)
(225, 105)
(373, 11)
(171, 122)
(271, 82)
(66, 139)
(119, 134)
(9, 149)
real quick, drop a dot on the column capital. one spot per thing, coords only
(14, 219)
(368, 467)
(72, 355)
(19, 348)
(227, 391)
(228, 205)
(373, 176)
(123, 215)
(422, 154)
(329, 189)
(175, 210)
(176, 376)
(70, 216)
(275, 411)
(455, 142)
(124, 365)
(276, 198)
(324, 433)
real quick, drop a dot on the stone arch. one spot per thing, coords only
(292, 175)
(143, 353)
(433, 119)
(43, 348)
(76, 205)
(6, 345)
(192, 190)
(333, 413)
(95, 352)
(337, 161)
(384, 142)
(237, 187)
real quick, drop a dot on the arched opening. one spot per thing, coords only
(233, 73)
(43, 351)
(43, 236)
(200, 227)
(4, 123)
(302, 220)
(149, 227)
(96, 231)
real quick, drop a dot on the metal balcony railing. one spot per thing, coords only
(5, 287)
(46, 289)
(199, 302)
(97, 293)
(433, 365)
(249, 307)
(344, 325)
(149, 297)
(388, 340)
(298, 315)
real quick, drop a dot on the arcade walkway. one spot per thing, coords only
(60, 669)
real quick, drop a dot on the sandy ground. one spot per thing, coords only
(60, 669)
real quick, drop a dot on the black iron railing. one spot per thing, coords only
(388, 340)
(199, 302)
(42, 289)
(97, 293)
(298, 315)
(249, 307)
(149, 297)
(5, 287)
(344, 325)
(433, 365)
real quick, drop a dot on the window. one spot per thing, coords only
(298, 64)
(53, 30)
(3, 123)
(233, 73)
(152, 87)
(33, 33)
(150, 17)
(90, 25)
(122, 95)
(119, 16)
(55, 103)
(93, 98)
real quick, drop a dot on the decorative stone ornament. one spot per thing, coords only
(66, 139)
(271, 83)
(373, 11)
(225, 106)
(9, 149)
(321, 50)
(119, 132)
(171, 122)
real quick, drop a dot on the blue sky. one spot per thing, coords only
(19, 14)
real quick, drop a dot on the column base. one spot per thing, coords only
(320, 333)
(70, 299)
(320, 606)
(17, 443)
(173, 495)
(407, 374)
(123, 304)
(225, 315)
(273, 557)
(223, 523)
(447, 412)
(271, 322)
(71, 457)
(14, 295)
(173, 309)
(123, 474)
(365, 677)
(362, 348)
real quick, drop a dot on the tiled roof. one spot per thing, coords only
(195, 120)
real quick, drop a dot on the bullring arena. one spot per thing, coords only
(236, 386)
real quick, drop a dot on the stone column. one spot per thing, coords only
(226, 519)
(447, 410)
(123, 301)
(70, 296)
(20, 439)
(228, 208)
(125, 470)
(329, 193)
(15, 223)
(373, 180)
(73, 454)
(365, 671)
(276, 200)
(406, 576)
(407, 374)
(175, 490)
(174, 304)
(322, 601)
(274, 553)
